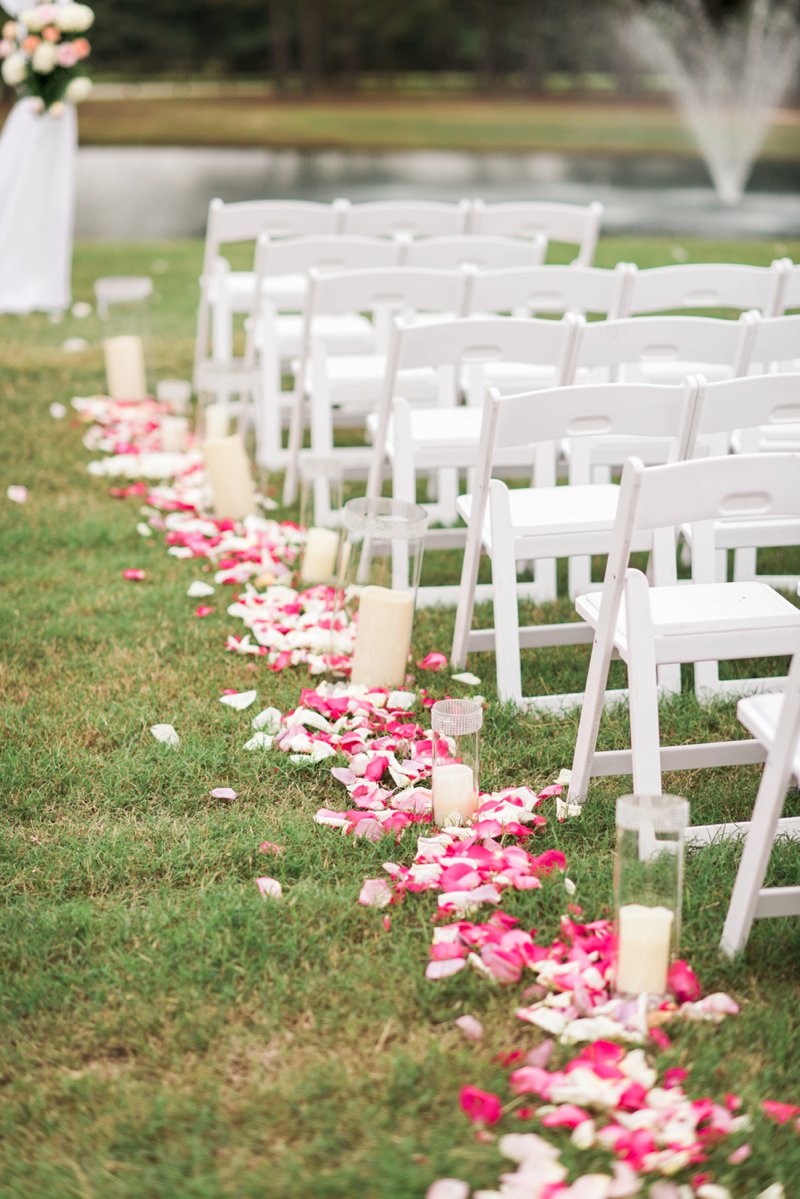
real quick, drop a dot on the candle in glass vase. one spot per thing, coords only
(643, 950)
(383, 637)
(175, 392)
(124, 359)
(455, 797)
(174, 433)
(319, 555)
(217, 421)
(229, 477)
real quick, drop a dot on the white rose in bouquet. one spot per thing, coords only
(74, 18)
(9, 30)
(44, 58)
(78, 89)
(35, 19)
(14, 69)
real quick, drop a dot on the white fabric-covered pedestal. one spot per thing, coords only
(37, 208)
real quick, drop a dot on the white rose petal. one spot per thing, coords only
(239, 699)
(199, 590)
(167, 734)
(466, 677)
(259, 741)
(17, 493)
(57, 411)
(269, 720)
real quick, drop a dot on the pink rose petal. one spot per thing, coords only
(480, 1106)
(270, 888)
(433, 661)
(470, 1027)
(438, 970)
(17, 493)
(133, 575)
(223, 793)
(447, 1188)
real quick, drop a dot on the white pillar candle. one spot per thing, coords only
(175, 392)
(217, 421)
(319, 556)
(124, 359)
(383, 637)
(229, 477)
(643, 949)
(174, 433)
(454, 795)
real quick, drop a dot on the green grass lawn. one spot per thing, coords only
(385, 121)
(165, 1032)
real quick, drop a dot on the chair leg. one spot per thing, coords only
(754, 863)
(504, 596)
(744, 564)
(642, 687)
(469, 581)
(579, 574)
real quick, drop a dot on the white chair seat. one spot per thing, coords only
(554, 511)
(347, 334)
(697, 609)
(357, 379)
(760, 715)
(285, 291)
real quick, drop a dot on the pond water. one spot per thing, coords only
(146, 193)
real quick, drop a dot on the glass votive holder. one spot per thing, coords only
(456, 726)
(123, 304)
(380, 560)
(648, 890)
(174, 434)
(176, 393)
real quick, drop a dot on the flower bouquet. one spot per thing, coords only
(41, 53)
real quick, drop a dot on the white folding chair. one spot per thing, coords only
(790, 291)
(774, 721)
(278, 326)
(481, 253)
(223, 291)
(351, 385)
(775, 344)
(575, 224)
(552, 522)
(410, 218)
(705, 285)
(443, 440)
(671, 622)
(663, 349)
(542, 291)
(758, 409)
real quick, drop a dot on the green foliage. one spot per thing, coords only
(163, 1030)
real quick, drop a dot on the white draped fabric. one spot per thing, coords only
(37, 207)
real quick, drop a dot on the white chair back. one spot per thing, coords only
(704, 285)
(775, 340)
(549, 289)
(411, 218)
(642, 343)
(746, 403)
(482, 253)
(576, 224)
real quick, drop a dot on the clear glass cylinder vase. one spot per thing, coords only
(648, 890)
(380, 560)
(456, 726)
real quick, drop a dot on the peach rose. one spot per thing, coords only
(30, 43)
(82, 47)
(51, 34)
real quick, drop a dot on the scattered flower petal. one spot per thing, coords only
(165, 733)
(238, 699)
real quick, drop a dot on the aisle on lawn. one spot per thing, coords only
(324, 989)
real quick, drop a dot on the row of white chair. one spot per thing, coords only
(517, 525)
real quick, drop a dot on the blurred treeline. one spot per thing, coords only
(308, 45)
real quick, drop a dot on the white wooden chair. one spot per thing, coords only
(443, 440)
(575, 224)
(757, 409)
(409, 218)
(776, 344)
(556, 521)
(278, 326)
(542, 291)
(790, 292)
(223, 291)
(481, 253)
(349, 385)
(705, 285)
(663, 349)
(774, 721)
(671, 622)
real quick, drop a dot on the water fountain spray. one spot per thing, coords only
(728, 80)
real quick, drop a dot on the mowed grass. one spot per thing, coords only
(383, 122)
(165, 1031)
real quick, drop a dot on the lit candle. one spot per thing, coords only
(319, 556)
(643, 950)
(124, 359)
(383, 637)
(175, 392)
(454, 795)
(217, 418)
(229, 477)
(174, 433)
